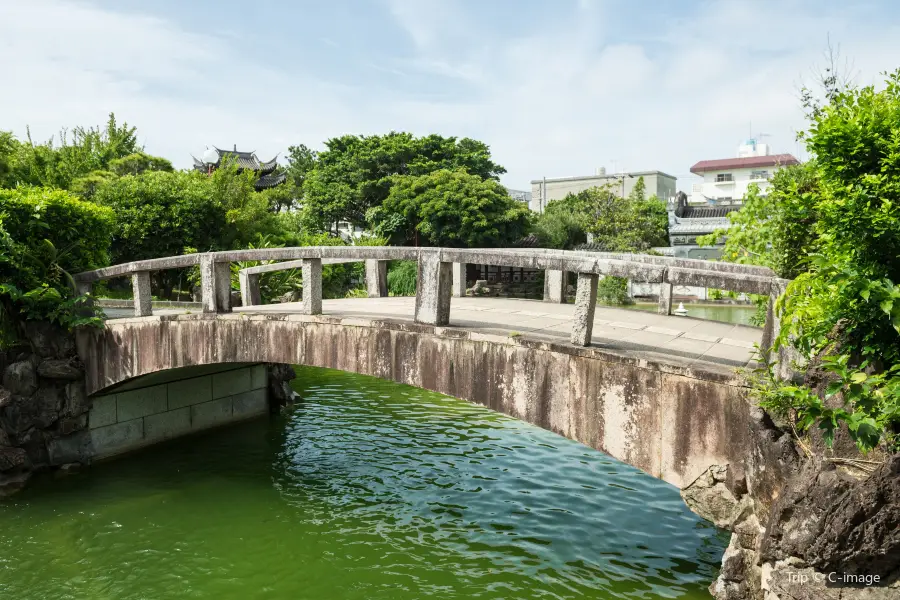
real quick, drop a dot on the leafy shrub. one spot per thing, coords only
(50, 235)
(613, 290)
(401, 277)
(46, 236)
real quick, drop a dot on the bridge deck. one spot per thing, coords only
(678, 339)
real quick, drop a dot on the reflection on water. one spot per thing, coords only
(365, 489)
(739, 314)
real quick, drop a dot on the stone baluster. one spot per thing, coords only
(786, 355)
(433, 291)
(250, 295)
(311, 303)
(215, 285)
(376, 278)
(555, 283)
(140, 286)
(665, 297)
(585, 304)
(459, 280)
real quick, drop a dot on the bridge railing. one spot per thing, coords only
(441, 275)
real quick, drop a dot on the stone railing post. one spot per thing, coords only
(140, 287)
(376, 278)
(250, 295)
(311, 304)
(215, 285)
(433, 289)
(786, 355)
(585, 304)
(555, 283)
(459, 280)
(665, 296)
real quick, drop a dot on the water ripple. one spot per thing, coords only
(366, 489)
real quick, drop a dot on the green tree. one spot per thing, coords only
(356, 173)
(561, 226)
(73, 155)
(778, 229)
(834, 225)
(449, 208)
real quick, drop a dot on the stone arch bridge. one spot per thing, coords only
(656, 391)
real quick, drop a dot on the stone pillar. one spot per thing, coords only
(376, 278)
(459, 280)
(786, 355)
(250, 295)
(222, 272)
(311, 303)
(665, 298)
(585, 303)
(555, 283)
(207, 286)
(433, 289)
(140, 287)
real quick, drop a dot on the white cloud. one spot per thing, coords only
(560, 97)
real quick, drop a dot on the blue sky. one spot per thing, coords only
(556, 88)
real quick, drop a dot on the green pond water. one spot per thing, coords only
(365, 489)
(739, 314)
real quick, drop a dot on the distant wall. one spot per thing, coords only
(174, 403)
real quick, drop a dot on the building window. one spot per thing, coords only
(721, 177)
(759, 175)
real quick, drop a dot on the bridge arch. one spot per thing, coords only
(670, 421)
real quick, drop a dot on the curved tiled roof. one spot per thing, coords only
(271, 180)
(775, 160)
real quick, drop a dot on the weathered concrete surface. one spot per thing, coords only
(140, 286)
(585, 305)
(312, 287)
(433, 292)
(555, 283)
(669, 420)
(144, 412)
(376, 278)
(459, 280)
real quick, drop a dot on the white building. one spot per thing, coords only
(725, 181)
(656, 183)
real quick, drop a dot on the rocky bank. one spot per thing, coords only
(805, 524)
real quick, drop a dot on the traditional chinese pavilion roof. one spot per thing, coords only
(246, 161)
(749, 162)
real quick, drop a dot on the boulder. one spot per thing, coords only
(74, 448)
(48, 340)
(13, 459)
(69, 369)
(20, 378)
(76, 402)
(710, 497)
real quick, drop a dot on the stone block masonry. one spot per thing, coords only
(186, 401)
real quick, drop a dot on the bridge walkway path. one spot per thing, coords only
(678, 339)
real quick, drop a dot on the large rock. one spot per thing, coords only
(34, 442)
(710, 497)
(281, 393)
(20, 378)
(69, 369)
(74, 448)
(861, 530)
(77, 402)
(48, 340)
(13, 459)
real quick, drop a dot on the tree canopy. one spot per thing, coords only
(356, 173)
(631, 224)
(449, 208)
(833, 225)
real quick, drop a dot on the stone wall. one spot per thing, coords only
(174, 403)
(43, 406)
